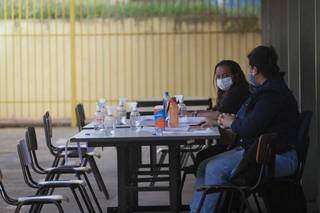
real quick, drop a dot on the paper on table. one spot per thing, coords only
(167, 129)
(189, 132)
(180, 130)
(149, 129)
(201, 131)
(147, 117)
(176, 130)
(191, 120)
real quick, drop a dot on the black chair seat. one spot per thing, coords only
(61, 183)
(68, 169)
(40, 199)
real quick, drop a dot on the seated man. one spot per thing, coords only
(271, 108)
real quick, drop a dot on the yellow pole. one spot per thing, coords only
(73, 62)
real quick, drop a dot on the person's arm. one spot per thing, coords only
(232, 102)
(259, 118)
(212, 115)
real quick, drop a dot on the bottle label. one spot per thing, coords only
(159, 117)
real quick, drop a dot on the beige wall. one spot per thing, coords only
(135, 59)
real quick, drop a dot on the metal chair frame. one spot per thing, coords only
(43, 187)
(89, 158)
(73, 152)
(31, 200)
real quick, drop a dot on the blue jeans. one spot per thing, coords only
(218, 170)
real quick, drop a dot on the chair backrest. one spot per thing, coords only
(24, 153)
(47, 125)
(80, 115)
(31, 138)
(26, 162)
(4, 194)
(265, 150)
(303, 140)
(255, 163)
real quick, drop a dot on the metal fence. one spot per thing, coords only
(55, 53)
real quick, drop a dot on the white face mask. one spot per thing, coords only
(224, 83)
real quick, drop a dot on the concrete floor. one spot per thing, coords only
(15, 186)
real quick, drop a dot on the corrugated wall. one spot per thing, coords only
(293, 27)
(133, 49)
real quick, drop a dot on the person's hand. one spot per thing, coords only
(225, 120)
(209, 123)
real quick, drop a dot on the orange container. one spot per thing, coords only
(173, 113)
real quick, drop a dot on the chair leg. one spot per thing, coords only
(257, 202)
(77, 200)
(87, 200)
(18, 208)
(63, 161)
(58, 205)
(184, 159)
(220, 202)
(84, 162)
(36, 208)
(98, 177)
(245, 202)
(203, 197)
(230, 203)
(56, 161)
(193, 157)
(92, 192)
(184, 175)
(56, 177)
(161, 161)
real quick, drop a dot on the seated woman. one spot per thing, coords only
(232, 91)
(271, 108)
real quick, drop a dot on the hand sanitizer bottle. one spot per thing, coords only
(135, 119)
(98, 118)
(121, 112)
(109, 122)
(166, 99)
(182, 106)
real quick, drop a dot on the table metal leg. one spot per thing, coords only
(123, 177)
(134, 160)
(153, 157)
(175, 178)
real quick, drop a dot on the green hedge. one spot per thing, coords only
(136, 9)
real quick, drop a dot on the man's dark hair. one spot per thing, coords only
(265, 59)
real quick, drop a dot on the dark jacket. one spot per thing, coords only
(271, 108)
(232, 99)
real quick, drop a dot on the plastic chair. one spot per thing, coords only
(44, 186)
(30, 200)
(80, 115)
(86, 153)
(54, 173)
(266, 160)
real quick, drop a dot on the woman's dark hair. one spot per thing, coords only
(238, 77)
(265, 59)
